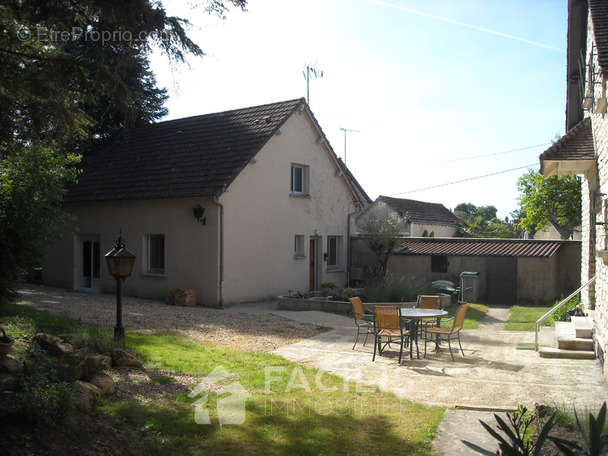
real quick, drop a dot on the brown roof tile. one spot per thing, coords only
(195, 156)
(577, 144)
(481, 247)
(420, 210)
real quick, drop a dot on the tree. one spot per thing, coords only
(465, 210)
(383, 234)
(549, 199)
(74, 73)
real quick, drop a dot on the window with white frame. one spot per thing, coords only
(156, 253)
(298, 250)
(299, 179)
(333, 252)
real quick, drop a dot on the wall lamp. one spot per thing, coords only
(198, 212)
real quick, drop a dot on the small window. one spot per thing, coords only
(299, 180)
(333, 252)
(156, 253)
(298, 248)
(439, 263)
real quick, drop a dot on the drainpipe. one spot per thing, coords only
(349, 250)
(221, 206)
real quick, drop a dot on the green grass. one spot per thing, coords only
(291, 409)
(474, 315)
(523, 318)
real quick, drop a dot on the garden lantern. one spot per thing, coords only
(120, 264)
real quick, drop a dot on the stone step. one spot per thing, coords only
(566, 337)
(550, 352)
(583, 327)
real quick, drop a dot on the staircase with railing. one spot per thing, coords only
(573, 339)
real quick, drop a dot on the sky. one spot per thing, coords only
(436, 91)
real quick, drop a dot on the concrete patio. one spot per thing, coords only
(493, 376)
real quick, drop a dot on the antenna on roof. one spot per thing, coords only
(316, 73)
(345, 130)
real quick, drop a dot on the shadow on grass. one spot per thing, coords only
(309, 427)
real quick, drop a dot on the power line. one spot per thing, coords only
(481, 156)
(464, 180)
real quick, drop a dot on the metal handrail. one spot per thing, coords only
(548, 314)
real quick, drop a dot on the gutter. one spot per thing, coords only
(221, 282)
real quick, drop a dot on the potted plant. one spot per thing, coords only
(6, 343)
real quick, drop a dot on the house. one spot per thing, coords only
(238, 206)
(434, 219)
(506, 271)
(583, 150)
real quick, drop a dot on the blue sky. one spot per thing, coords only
(427, 84)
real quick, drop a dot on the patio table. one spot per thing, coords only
(416, 315)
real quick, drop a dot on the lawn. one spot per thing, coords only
(289, 409)
(523, 318)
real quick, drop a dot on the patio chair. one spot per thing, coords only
(448, 333)
(388, 327)
(363, 319)
(428, 302)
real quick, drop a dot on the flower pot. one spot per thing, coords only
(6, 343)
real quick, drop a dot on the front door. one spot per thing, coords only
(90, 265)
(312, 271)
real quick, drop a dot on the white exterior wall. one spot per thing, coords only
(262, 219)
(191, 254)
(417, 229)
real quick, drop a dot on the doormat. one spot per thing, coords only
(526, 346)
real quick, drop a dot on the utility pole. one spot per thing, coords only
(345, 130)
(316, 73)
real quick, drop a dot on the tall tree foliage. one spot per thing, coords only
(549, 199)
(482, 222)
(74, 72)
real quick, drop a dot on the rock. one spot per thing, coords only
(122, 358)
(104, 382)
(96, 363)
(71, 367)
(53, 344)
(85, 395)
(10, 365)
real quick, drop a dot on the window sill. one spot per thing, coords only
(299, 257)
(335, 270)
(153, 274)
(299, 195)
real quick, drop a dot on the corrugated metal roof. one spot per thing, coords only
(481, 247)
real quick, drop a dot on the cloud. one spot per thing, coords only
(464, 24)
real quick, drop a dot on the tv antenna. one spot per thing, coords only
(347, 130)
(316, 73)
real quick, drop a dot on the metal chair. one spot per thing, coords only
(363, 319)
(443, 333)
(428, 302)
(389, 325)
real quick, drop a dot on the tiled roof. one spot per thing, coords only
(599, 18)
(481, 247)
(577, 144)
(420, 210)
(195, 156)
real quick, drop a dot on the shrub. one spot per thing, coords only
(392, 292)
(562, 313)
(43, 398)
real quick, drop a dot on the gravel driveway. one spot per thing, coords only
(230, 329)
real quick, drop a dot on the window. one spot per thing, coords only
(333, 252)
(299, 180)
(156, 253)
(439, 263)
(298, 250)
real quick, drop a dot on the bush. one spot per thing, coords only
(562, 313)
(393, 292)
(43, 398)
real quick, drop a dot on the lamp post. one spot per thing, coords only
(120, 264)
